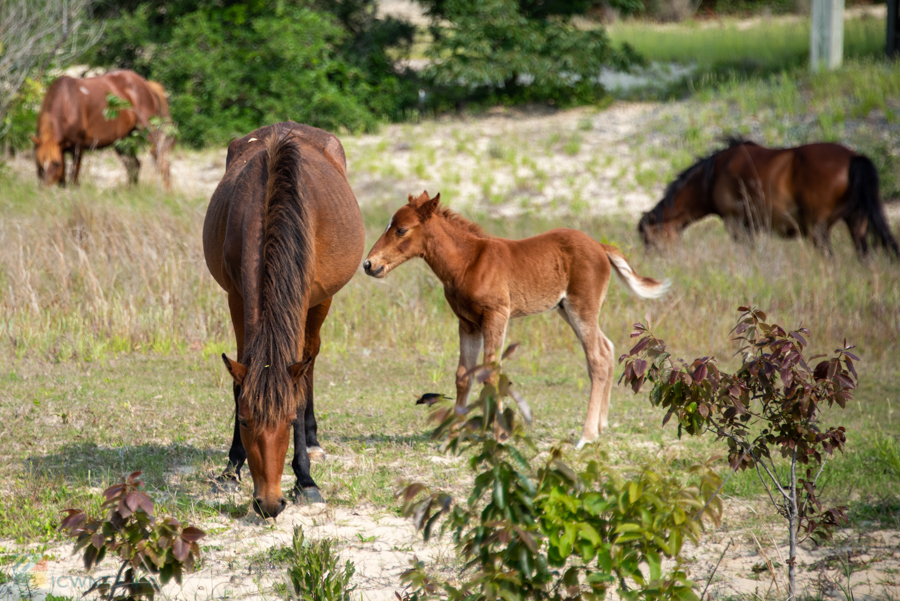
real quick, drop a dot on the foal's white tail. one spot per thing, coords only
(638, 285)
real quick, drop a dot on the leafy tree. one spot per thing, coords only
(233, 66)
(519, 49)
(772, 405)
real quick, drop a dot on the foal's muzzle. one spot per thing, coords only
(367, 266)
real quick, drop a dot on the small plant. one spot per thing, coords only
(771, 405)
(551, 532)
(314, 571)
(134, 142)
(147, 547)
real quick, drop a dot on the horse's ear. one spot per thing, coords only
(428, 206)
(417, 201)
(298, 370)
(237, 370)
(35, 139)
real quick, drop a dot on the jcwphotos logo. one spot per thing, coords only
(27, 574)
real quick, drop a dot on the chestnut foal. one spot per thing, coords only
(489, 280)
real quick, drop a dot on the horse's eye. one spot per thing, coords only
(242, 422)
(401, 231)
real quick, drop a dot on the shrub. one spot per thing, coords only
(230, 70)
(314, 571)
(146, 547)
(551, 532)
(772, 405)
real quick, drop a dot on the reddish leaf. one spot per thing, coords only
(699, 373)
(180, 549)
(509, 351)
(640, 367)
(192, 534)
(641, 345)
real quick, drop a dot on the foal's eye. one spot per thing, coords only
(401, 231)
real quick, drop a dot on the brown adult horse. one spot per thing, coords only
(792, 191)
(283, 234)
(71, 120)
(489, 280)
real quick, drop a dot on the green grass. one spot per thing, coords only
(728, 44)
(79, 417)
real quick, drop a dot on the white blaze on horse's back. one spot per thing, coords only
(252, 140)
(83, 89)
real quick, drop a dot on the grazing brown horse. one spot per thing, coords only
(283, 234)
(71, 120)
(489, 280)
(791, 191)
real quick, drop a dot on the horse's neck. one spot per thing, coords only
(449, 250)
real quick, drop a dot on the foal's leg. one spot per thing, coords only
(598, 351)
(470, 340)
(314, 320)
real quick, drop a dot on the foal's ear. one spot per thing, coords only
(417, 201)
(298, 370)
(237, 370)
(429, 206)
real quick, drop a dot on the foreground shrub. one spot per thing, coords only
(772, 405)
(315, 573)
(145, 546)
(551, 532)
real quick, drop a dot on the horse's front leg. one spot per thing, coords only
(305, 490)
(237, 455)
(77, 153)
(470, 340)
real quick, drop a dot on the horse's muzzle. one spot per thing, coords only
(367, 266)
(269, 510)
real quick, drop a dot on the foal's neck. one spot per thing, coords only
(449, 250)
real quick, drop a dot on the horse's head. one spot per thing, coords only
(654, 230)
(404, 237)
(685, 201)
(51, 167)
(266, 433)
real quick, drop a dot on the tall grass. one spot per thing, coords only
(762, 46)
(86, 274)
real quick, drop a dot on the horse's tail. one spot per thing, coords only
(866, 202)
(160, 93)
(638, 285)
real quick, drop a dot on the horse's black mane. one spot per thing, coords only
(706, 164)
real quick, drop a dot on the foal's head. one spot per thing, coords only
(265, 418)
(404, 237)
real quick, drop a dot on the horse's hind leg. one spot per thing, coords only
(132, 166)
(821, 238)
(859, 229)
(314, 320)
(237, 455)
(598, 351)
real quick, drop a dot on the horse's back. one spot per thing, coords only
(233, 227)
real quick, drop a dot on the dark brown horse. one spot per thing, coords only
(792, 191)
(283, 234)
(489, 281)
(72, 121)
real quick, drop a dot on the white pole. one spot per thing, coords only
(826, 44)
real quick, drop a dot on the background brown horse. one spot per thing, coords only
(283, 234)
(792, 191)
(71, 120)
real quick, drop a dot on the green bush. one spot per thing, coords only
(20, 122)
(231, 69)
(314, 571)
(551, 532)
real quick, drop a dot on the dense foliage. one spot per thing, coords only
(519, 49)
(772, 405)
(551, 532)
(231, 67)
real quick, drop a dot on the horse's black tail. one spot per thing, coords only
(866, 202)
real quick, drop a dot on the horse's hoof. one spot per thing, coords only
(308, 496)
(316, 454)
(581, 443)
